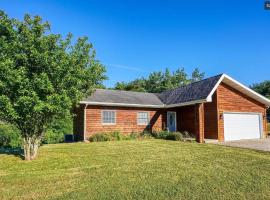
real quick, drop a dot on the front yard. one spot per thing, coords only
(148, 169)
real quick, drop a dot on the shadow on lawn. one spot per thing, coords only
(18, 152)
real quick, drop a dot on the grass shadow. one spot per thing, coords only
(17, 152)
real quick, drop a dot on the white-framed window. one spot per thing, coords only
(108, 117)
(143, 118)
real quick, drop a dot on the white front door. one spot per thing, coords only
(171, 121)
(239, 126)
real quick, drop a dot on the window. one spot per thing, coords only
(142, 118)
(108, 117)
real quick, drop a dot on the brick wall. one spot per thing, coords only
(126, 120)
(231, 100)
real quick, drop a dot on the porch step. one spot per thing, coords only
(210, 141)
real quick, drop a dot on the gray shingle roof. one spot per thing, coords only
(127, 97)
(191, 92)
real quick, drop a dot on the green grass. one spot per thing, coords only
(268, 128)
(147, 169)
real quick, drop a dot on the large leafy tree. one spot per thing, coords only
(160, 81)
(42, 76)
(263, 88)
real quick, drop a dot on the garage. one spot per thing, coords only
(238, 126)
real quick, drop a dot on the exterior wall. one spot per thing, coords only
(126, 120)
(211, 119)
(78, 123)
(231, 100)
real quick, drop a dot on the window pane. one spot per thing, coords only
(108, 117)
(142, 118)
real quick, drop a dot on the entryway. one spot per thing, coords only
(171, 121)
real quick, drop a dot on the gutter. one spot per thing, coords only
(144, 105)
(84, 122)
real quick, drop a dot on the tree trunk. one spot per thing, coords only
(30, 146)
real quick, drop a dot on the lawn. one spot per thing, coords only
(148, 169)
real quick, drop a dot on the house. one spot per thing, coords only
(217, 108)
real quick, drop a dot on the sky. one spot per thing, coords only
(134, 38)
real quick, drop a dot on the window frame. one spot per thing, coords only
(102, 114)
(148, 118)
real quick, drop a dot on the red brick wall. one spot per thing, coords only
(211, 119)
(232, 100)
(126, 120)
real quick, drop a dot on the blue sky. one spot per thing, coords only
(133, 38)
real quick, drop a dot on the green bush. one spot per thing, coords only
(116, 135)
(165, 135)
(102, 137)
(9, 136)
(57, 129)
(177, 136)
(53, 137)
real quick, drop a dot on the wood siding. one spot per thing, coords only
(231, 100)
(126, 120)
(211, 119)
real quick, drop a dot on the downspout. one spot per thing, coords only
(84, 122)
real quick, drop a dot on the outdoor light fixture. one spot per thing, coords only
(221, 116)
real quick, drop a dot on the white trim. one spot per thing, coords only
(185, 103)
(249, 113)
(253, 94)
(148, 118)
(84, 122)
(105, 124)
(122, 104)
(209, 97)
(175, 121)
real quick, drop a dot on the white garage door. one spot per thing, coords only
(239, 126)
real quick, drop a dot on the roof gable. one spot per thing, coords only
(191, 92)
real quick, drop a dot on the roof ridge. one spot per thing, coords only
(182, 86)
(126, 91)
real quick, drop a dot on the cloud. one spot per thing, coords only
(130, 68)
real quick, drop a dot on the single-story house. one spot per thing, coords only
(217, 108)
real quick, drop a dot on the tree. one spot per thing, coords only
(197, 75)
(42, 76)
(263, 88)
(158, 81)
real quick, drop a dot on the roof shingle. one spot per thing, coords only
(191, 92)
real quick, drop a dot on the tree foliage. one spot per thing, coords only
(263, 88)
(42, 76)
(160, 81)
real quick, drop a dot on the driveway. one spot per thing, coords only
(257, 144)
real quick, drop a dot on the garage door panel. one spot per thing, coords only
(241, 126)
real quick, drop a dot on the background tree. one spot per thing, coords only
(263, 88)
(42, 76)
(159, 81)
(197, 75)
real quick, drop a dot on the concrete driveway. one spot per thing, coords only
(257, 144)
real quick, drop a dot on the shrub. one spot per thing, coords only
(9, 136)
(53, 137)
(102, 137)
(57, 129)
(177, 136)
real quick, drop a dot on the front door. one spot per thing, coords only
(171, 121)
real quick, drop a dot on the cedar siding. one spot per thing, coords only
(199, 108)
(231, 100)
(126, 120)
